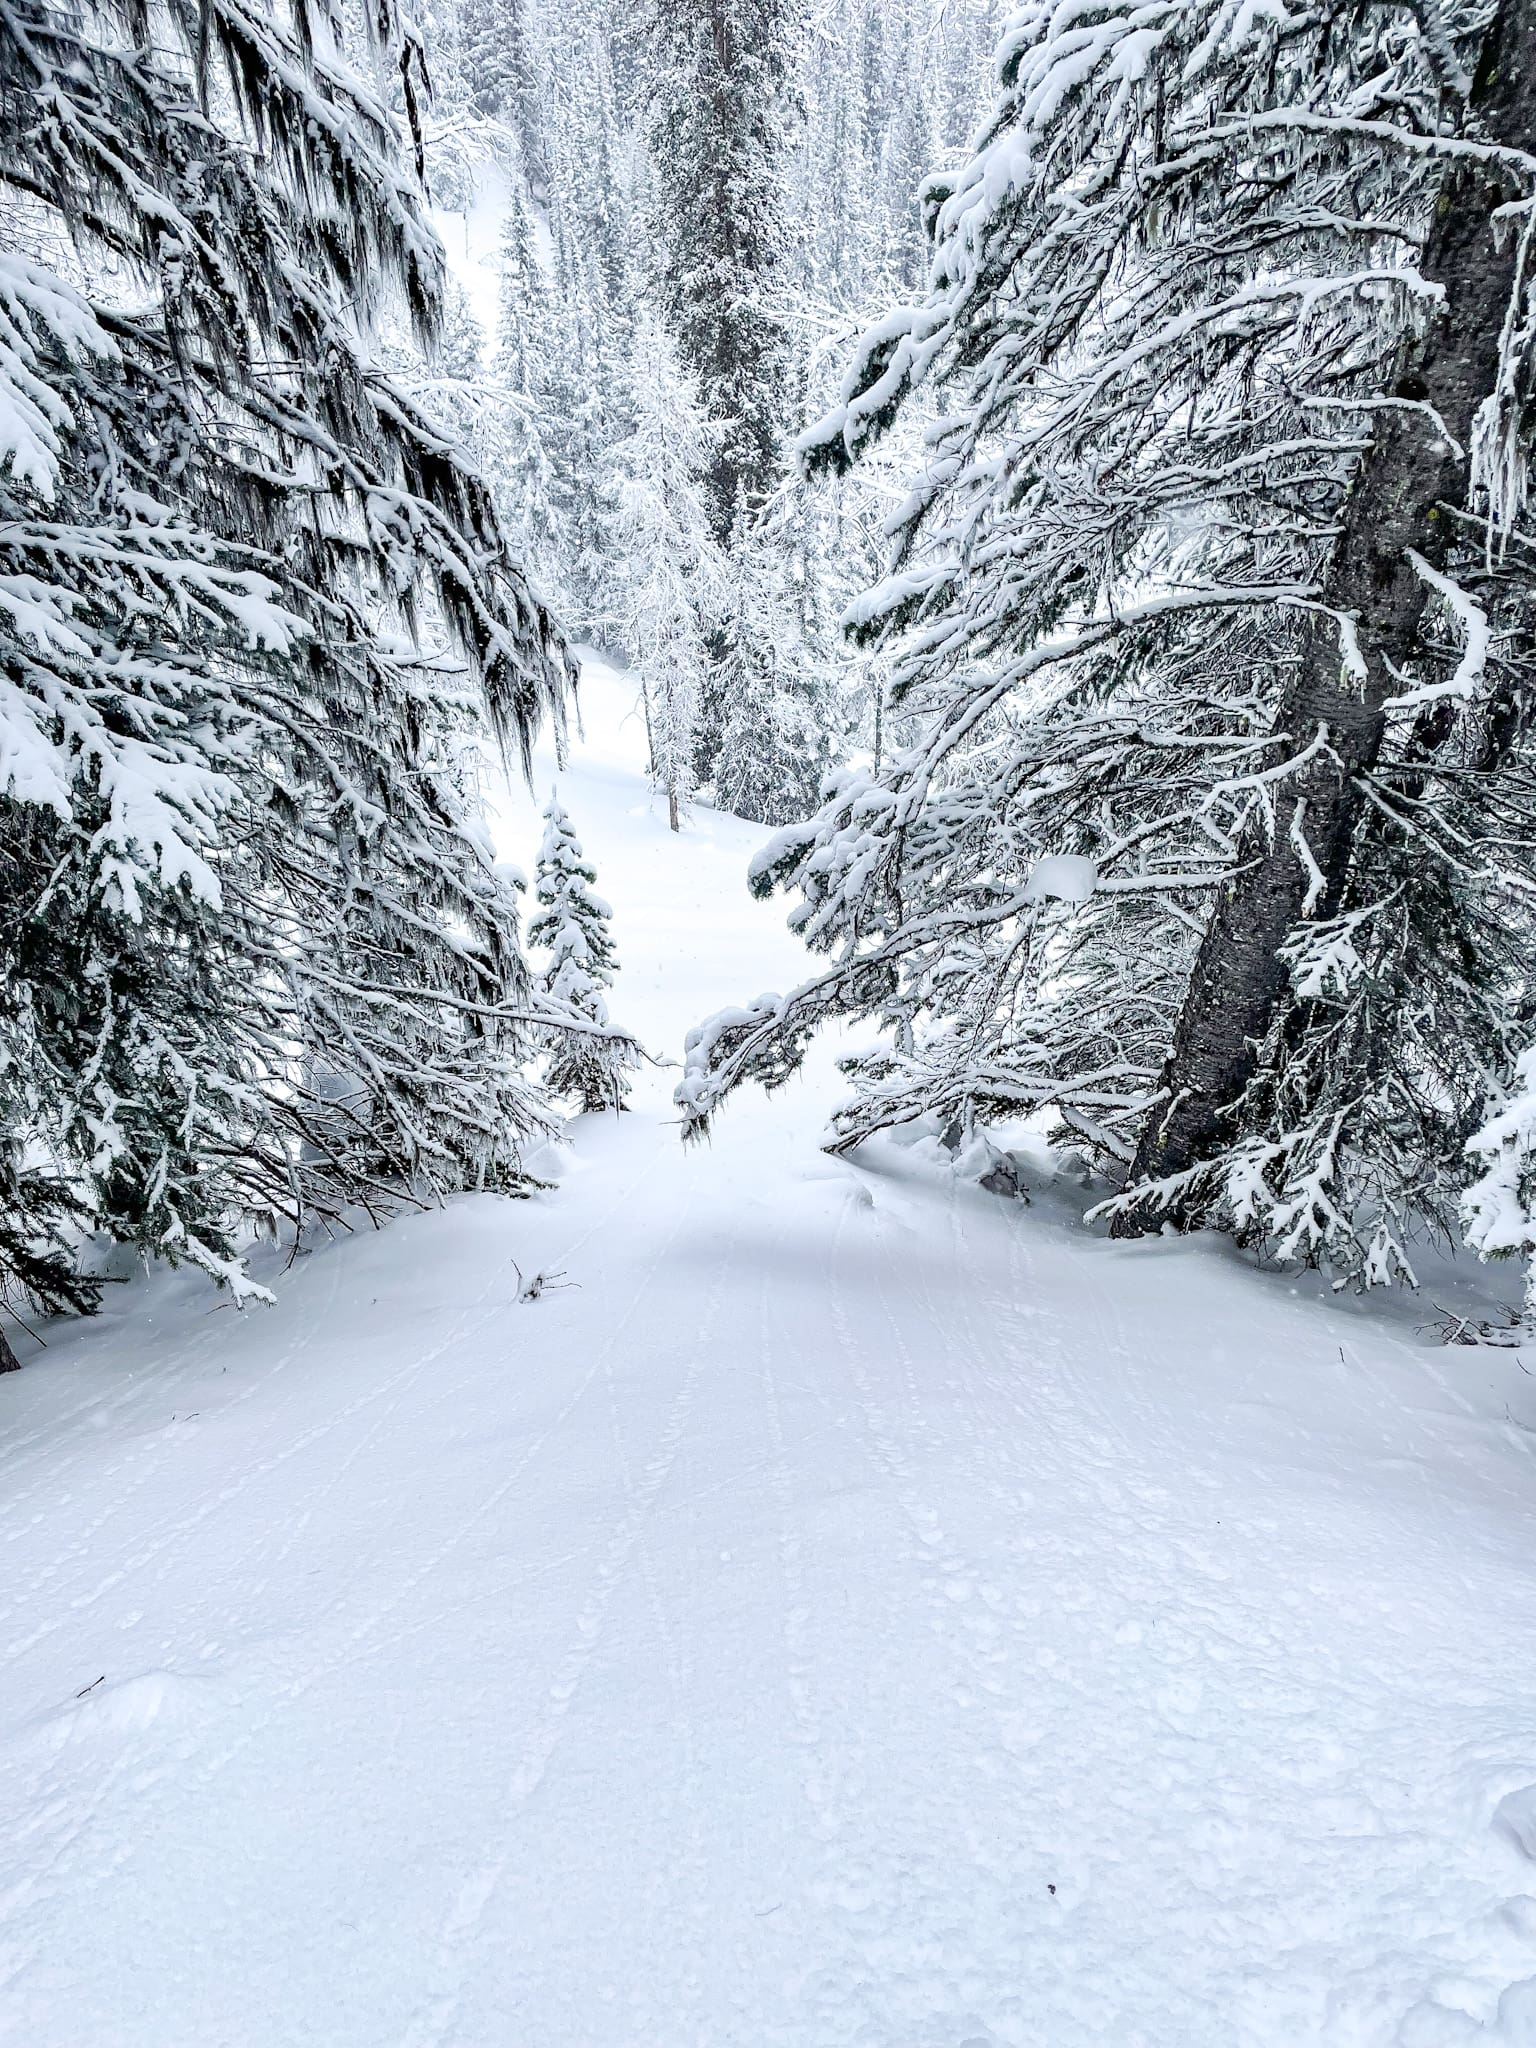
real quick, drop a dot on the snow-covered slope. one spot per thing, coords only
(856, 1613)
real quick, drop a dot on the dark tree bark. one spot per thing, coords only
(1409, 471)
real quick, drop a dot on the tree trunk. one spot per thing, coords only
(672, 818)
(1239, 976)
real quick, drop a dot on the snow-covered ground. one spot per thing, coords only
(857, 1613)
(471, 239)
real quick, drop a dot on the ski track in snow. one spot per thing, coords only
(857, 1613)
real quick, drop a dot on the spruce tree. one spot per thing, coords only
(779, 696)
(1209, 591)
(720, 73)
(1499, 1209)
(257, 962)
(587, 1059)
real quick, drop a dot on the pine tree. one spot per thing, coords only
(669, 577)
(909, 152)
(587, 1059)
(1384, 576)
(780, 720)
(257, 963)
(720, 73)
(721, 77)
(1499, 1209)
(1178, 322)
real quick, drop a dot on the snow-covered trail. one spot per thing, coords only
(858, 1613)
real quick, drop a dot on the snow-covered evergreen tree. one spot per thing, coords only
(1211, 616)
(887, 89)
(535, 129)
(497, 68)
(545, 464)
(721, 78)
(890, 90)
(254, 618)
(779, 697)
(1499, 1209)
(720, 74)
(811, 214)
(587, 1059)
(669, 577)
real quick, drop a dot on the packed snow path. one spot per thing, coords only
(857, 1613)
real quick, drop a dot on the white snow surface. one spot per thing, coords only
(471, 241)
(860, 1612)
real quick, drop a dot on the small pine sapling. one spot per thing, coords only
(1499, 1209)
(587, 1058)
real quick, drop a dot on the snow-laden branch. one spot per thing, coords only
(1476, 640)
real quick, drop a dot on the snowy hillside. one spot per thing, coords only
(847, 1611)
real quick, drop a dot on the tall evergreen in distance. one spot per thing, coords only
(720, 89)
(721, 77)
(891, 91)
(497, 64)
(670, 578)
(782, 717)
(529, 131)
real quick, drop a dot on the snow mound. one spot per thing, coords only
(126, 1706)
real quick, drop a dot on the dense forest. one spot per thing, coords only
(1064, 471)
